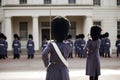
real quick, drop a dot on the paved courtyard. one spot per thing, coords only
(24, 69)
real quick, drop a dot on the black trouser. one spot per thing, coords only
(2, 56)
(93, 77)
(31, 56)
(117, 54)
(70, 55)
(107, 54)
(16, 56)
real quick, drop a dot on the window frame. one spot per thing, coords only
(47, 1)
(72, 30)
(0, 26)
(97, 2)
(23, 1)
(97, 23)
(118, 3)
(72, 1)
(23, 32)
(45, 24)
(0, 3)
(118, 27)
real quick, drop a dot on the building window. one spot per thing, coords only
(23, 30)
(72, 1)
(96, 2)
(0, 2)
(118, 2)
(0, 27)
(45, 24)
(118, 27)
(72, 30)
(46, 31)
(23, 1)
(97, 23)
(47, 1)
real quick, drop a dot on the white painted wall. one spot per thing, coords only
(108, 3)
(2, 19)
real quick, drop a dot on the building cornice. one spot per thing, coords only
(47, 5)
(36, 7)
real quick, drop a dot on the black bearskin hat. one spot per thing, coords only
(1, 35)
(101, 36)
(4, 37)
(95, 32)
(77, 36)
(69, 36)
(118, 36)
(16, 37)
(82, 36)
(106, 34)
(60, 28)
(30, 36)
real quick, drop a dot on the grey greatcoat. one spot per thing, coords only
(30, 47)
(56, 70)
(81, 45)
(117, 44)
(93, 59)
(2, 47)
(107, 45)
(16, 45)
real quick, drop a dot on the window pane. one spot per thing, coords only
(47, 1)
(0, 27)
(23, 1)
(23, 30)
(118, 2)
(96, 2)
(45, 24)
(118, 27)
(97, 23)
(45, 32)
(72, 30)
(72, 1)
(0, 2)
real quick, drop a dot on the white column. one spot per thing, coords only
(87, 25)
(35, 32)
(8, 32)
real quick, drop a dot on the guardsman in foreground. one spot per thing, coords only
(57, 66)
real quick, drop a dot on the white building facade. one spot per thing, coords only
(26, 17)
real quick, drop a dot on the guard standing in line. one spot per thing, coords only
(76, 46)
(30, 47)
(107, 45)
(16, 45)
(6, 46)
(81, 46)
(118, 45)
(71, 44)
(57, 69)
(2, 46)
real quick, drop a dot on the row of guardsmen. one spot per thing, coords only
(78, 44)
(16, 45)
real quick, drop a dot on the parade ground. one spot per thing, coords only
(33, 69)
